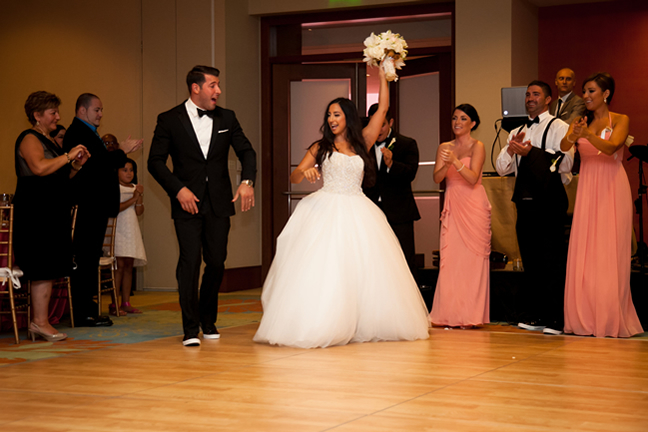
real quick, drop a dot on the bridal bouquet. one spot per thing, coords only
(387, 46)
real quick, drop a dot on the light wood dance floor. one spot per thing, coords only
(455, 381)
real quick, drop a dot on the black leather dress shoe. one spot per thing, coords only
(100, 321)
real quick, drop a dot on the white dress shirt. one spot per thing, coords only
(379, 155)
(202, 126)
(507, 164)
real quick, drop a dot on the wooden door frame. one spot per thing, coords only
(288, 28)
(281, 151)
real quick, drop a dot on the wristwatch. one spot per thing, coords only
(248, 182)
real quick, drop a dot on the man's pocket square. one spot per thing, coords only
(223, 131)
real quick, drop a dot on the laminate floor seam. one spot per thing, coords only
(565, 386)
(207, 375)
(470, 378)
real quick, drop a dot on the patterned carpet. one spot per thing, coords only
(160, 318)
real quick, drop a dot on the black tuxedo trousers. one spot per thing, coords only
(204, 233)
(540, 230)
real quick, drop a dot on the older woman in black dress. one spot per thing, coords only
(42, 203)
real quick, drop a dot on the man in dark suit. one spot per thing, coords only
(96, 191)
(197, 135)
(397, 159)
(568, 105)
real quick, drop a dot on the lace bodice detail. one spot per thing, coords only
(343, 174)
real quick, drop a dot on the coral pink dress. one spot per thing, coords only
(597, 290)
(462, 291)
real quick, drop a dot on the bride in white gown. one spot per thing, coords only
(339, 274)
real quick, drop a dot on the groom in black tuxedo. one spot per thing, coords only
(397, 159)
(197, 135)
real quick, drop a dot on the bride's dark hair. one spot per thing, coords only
(353, 135)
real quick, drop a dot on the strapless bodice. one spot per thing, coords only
(343, 174)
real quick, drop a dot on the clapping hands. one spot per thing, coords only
(130, 145)
(447, 154)
(80, 154)
(579, 127)
(518, 146)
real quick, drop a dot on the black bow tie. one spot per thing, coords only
(378, 144)
(529, 122)
(207, 113)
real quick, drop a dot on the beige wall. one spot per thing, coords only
(134, 55)
(170, 30)
(68, 52)
(524, 43)
(496, 45)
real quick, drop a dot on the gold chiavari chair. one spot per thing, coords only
(108, 265)
(19, 299)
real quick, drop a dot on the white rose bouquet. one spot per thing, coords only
(387, 46)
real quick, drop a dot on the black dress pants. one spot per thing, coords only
(203, 233)
(89, 232)
(540, 231)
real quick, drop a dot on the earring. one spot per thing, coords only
(605, 100)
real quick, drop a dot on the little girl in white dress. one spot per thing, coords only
(129, 247)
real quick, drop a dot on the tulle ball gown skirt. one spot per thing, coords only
(339, 276)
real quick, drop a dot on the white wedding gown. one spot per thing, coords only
(339, 274)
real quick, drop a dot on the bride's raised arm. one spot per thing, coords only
(372, 130)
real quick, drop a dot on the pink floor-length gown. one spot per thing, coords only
(462, 292)
(597, 289)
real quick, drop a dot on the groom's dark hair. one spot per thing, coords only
(373, 108)
(197, 75)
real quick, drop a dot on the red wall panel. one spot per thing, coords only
(609, 37)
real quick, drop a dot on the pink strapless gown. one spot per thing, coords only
(597, 289)
(462, 291)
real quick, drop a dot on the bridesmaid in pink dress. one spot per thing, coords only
(462, 292)
(597, 290)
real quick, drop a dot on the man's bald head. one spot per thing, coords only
(110, 141)
(565, 81)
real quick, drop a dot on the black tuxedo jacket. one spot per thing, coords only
(96, 185)
(174, 136)
(395, 186)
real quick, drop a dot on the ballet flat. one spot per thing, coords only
(35, 330)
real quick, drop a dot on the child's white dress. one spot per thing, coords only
(128, 238)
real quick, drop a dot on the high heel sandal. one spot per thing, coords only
(113, 310)
(35, 330)
(126, 306)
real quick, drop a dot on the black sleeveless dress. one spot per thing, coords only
(42, 221)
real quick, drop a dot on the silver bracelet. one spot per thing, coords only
(462, 167)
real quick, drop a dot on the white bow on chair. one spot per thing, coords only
(6, 272)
